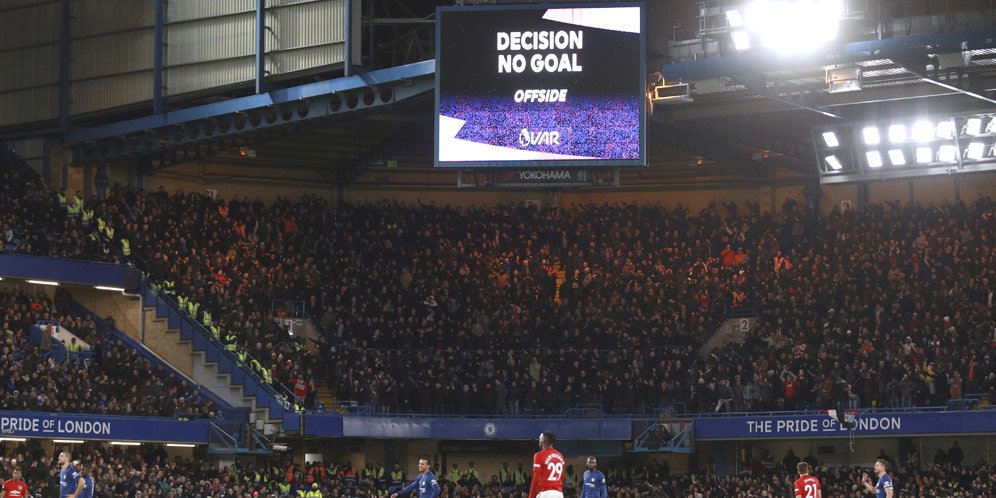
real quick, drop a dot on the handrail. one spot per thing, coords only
(354, 408)
(199, 328)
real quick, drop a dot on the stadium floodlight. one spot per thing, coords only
(797, 26)
(734, 18)
(67, 441)
(896, 157)
(43, 282)
(923, 131)
(945, 129)
(180, 445)
(830, 138)
(897, 133)
(874, 159)
(975, 150)
(834, 163)
(991, 127)
(924, 155)
(871, 135)
(947, 154)
(741, 40)
(973, 127)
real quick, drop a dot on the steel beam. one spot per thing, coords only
(158, 47)
(261, 45)
(401, 74)
(65, 73)
(918, 66)
(763, 61)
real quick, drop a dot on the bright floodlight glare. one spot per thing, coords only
(897, 133)
(741, 40)
(874, 159)
(834, 163)
(896, 157)
(923, 131)
(798, 26)
(924, 155)
(734, 19)
(975, 150)
(830, 138)
(947, 154)
(871, 135)
(973, 126)
(945, 129)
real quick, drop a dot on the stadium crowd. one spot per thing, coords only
(115, 381)
(147, 471)
(889, 305)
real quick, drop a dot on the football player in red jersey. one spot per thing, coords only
(548, 470)
(807, 486)
(15, 488)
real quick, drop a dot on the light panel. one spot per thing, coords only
(945, 129)
(923, 131)
(741, 40)
(975, 150)
(897, 133)
(947, 154)
(973, 126)
(734, 18)
(830, 138)
(871, 135)
(896, 157)
(924, 155)
(874, 159)
(834, 163)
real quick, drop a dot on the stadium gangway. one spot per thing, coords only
(228, 439)
(270, 397)
(682, 442)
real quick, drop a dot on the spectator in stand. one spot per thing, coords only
(849, 313)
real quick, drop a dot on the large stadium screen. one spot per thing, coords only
(540, 85)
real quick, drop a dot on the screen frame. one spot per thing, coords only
(642, 161)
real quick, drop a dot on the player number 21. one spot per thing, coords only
(555, 469)
(810, 491)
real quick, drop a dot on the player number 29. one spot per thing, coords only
(555, 469)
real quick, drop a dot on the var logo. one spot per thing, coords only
(528, 138)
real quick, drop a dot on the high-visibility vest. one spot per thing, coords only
(182, 301)
(62, 199)
(230, 342)
(397, 477)
(215, 331)
(87, 218)
(520, 478)
(313, 494)
(125, 247)
(206, 318)
(79, 203)
(504, 475)
(100, 225)
(283, 487)
(74, 209)
(109, 232)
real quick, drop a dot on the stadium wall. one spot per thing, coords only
(269, 182)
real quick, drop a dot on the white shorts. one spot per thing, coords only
(550, 493)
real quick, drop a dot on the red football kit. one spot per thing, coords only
(807, 487)
(548, 472)
(15, 489)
